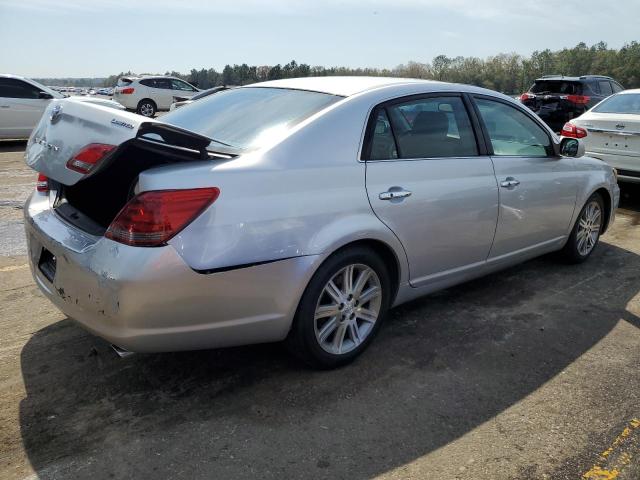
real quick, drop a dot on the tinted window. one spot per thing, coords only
(616, 87)
(626, 103)
(512, 132)
(249, 118)
(432, 127)
(383, 145)
(148, 82)
(13, 88)
(164, 83)
(557, 86)
(180, 85)
(605, 87)
(123, 82)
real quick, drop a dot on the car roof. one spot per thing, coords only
(343, 86)
(631, 90)
(571, 79)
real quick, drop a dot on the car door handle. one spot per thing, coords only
(391, 194)
(509, 182)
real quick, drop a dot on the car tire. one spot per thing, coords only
(147, 108)
(586, 231)
(337, 318)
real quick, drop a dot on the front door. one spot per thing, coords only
(20, 108)
(427, 181)
(537, 188)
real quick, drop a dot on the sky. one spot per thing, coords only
(97, 38)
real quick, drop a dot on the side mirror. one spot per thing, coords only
(45, 95)
(571, 147)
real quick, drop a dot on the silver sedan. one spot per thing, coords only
(297, 210)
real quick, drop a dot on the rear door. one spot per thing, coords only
(20, 107)
(537, 188)
(162, 94)
(430, 182)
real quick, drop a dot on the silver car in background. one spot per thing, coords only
(297, 210)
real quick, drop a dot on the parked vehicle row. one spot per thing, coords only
(297, 210)
(23, 101)
(556, 99)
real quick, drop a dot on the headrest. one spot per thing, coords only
(431, 123)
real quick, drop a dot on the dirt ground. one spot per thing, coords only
(530, 373)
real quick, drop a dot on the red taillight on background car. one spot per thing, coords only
(526, 96)
(151, 218)
(578, 99)
(42, 184)
(127, 90)
(90, 155)
(573, 131)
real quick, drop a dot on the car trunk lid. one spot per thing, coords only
(617, 134)
(66, 127)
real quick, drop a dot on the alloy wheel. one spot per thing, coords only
(347, 309)
(589, 228)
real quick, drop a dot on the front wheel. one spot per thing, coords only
(586, 232)
(342, 309)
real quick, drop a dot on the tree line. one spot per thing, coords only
(510, 73)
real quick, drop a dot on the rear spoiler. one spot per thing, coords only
(177, 138)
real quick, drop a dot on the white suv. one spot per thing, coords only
(147, 95)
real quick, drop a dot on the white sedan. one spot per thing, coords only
(611, 132)
(23, 101)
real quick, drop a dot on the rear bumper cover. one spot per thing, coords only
(150, 300)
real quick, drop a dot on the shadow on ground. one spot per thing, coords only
(12, 146)
(440, 367)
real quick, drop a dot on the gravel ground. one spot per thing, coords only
(530, 373)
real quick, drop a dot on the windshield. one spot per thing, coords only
(626, 103)
(557, 86)
(249, 118)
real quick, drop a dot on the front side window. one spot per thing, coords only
(628, 103)
(512, 132)
(180, 85)
(605, 87)
(429, 127)
(250, 117)
(13, 88)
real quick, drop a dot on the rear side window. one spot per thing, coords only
(424, 128)
(557, 86)
(163, 83)
(14, 88)
(148, 82)
(605, 87)
(512, 132)
(616, 87)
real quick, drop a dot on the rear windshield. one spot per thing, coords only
(626, 103)
(124, 81)
(557, 86)
(249, 118)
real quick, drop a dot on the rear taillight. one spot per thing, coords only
(89, 157)
(127, 90)
(151, 218)
(573, 131)
(42, 184)
(526, 96)
(578, 99)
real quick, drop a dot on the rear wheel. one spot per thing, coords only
(146, 108)
(342, 309)
(586, 232)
